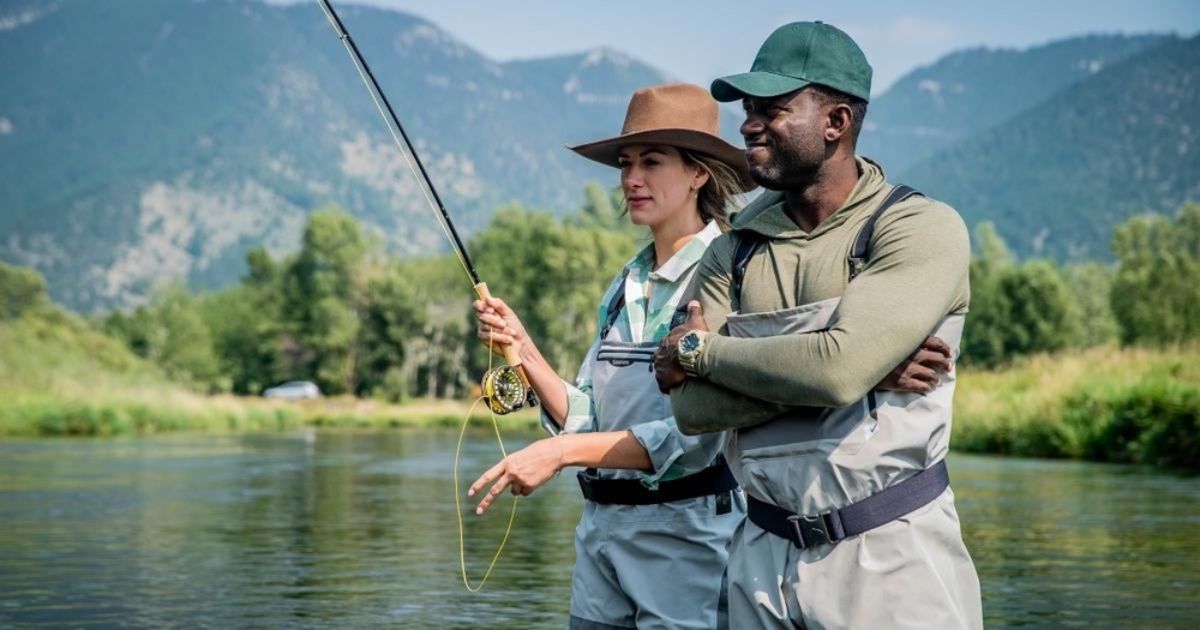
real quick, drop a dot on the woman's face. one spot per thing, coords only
(658, 185)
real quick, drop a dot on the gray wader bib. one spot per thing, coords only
(659, 565)
(910, 572)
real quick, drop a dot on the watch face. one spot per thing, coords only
(689, 342)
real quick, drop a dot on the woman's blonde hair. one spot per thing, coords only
(722, 190)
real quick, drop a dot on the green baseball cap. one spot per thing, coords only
(796, 55)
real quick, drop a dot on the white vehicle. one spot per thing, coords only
(293, 390)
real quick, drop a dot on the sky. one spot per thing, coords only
(700, 40)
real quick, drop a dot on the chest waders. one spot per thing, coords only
(624, 388)
(817, 477)
(805, 530)
(650, 558)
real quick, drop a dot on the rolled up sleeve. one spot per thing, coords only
(581, 408)
(669, 449)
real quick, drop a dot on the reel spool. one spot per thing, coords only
(505, 391)
(505, 388)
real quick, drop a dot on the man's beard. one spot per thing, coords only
(788, 169)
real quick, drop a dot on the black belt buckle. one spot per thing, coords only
(809, 531)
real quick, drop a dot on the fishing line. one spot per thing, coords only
(512, 514)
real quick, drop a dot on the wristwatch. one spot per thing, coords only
(689, 348)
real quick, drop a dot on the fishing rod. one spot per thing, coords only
(506, 388)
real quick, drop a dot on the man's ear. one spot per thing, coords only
(838, 122)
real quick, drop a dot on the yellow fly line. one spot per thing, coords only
(512, 515)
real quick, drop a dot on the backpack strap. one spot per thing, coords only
(748, 243)
(860, 252)
(613, 311)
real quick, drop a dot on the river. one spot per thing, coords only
(343, 529)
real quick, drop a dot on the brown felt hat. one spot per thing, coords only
(677, 114)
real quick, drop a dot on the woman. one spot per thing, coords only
(652, 544)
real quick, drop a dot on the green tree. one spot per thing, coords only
(1156, 291)
(553, 274)
(1016, 309)
(323, 298)
(393, 323)
(983, 337)
(22, 290)
(171, 331)
(602, 208)
(1091, 285)
(1042, 314)
(244, 324)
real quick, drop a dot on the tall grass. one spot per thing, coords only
(1103, 404)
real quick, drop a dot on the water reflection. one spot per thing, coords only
(358, 529)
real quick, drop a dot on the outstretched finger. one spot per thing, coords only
(491, 495)
(491, 475)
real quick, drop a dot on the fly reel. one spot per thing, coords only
(505, 391)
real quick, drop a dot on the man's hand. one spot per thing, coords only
(921, 371)
(667, 369)
(522, 472)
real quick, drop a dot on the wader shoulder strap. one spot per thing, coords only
(613, 311)
(689, 292)
(748, 243)
(860, 252)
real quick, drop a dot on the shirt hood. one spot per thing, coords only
(767, 214)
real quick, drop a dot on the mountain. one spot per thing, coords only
(1057, 178)
(150, 139)
(153, 139)
(972, 90)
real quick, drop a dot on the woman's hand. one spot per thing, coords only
(523, 471)
(498, 325)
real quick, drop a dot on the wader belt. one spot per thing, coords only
(852, 520)
(712, 480)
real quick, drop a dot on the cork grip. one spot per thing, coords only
(511, 355)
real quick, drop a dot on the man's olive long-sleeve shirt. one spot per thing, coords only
(917, 274)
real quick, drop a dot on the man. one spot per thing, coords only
(827, 280)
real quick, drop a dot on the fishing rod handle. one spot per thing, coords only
(511, 354)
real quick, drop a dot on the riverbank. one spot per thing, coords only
(59, 377)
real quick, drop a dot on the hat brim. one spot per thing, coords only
(608, 150)
(757, 84)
